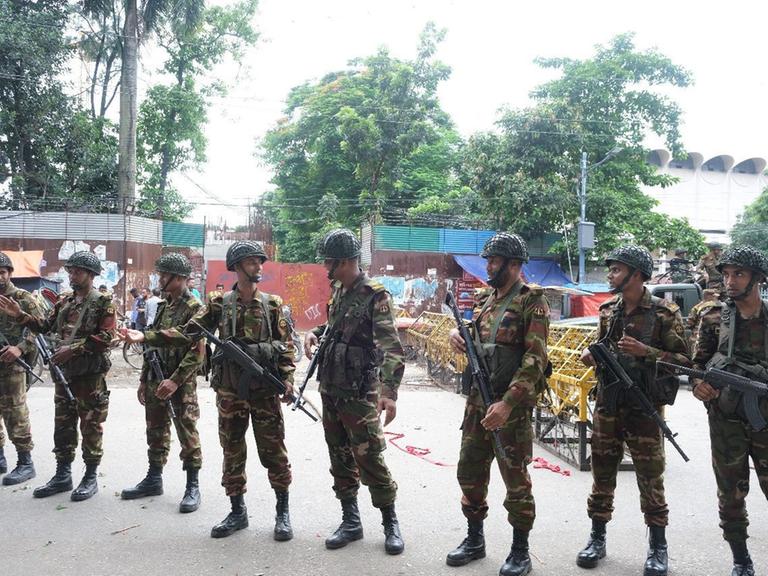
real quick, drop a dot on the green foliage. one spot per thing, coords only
(752, 226)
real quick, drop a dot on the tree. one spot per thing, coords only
(752, 226)
(357, 134)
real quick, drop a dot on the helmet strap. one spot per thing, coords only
(333, 268)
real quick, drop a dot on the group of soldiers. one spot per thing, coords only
(681, 270)
(360, 369)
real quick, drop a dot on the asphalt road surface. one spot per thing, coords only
(106, 535)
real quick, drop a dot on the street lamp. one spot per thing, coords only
(586, 237)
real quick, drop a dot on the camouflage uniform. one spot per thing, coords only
(85, 372)
(522, 329)
(364, 360)
(13, 379)
(172, 313)
(658, 324)
(680, 271)
(708, 265)
(258, 327)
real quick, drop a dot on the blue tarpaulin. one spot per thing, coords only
(541, 272)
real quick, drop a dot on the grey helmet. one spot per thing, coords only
(633, 256)
(5, 262)
(243, 249)
(506, 245)
(174, 263)
(340, 244)
(85, 260)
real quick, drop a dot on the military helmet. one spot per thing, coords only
(174, 263)
(85, 260)
(506, 245)
(243, 249)
(745, 257)
(5, 262)
(633, 256)
(714, 245)
(340, 244)
(681, 251)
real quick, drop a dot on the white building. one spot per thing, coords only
(711, 194)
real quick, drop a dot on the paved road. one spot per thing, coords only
(108, 536)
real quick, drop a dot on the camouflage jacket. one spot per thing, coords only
(86, 325)
(170, 314)
(15, 334)
(665, 339)
(694, 316)
(524, 326)
(708, 265)
(249, 326)
(368, 324)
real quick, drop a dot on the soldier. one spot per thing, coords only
(733, 336)
(694, 316)
(14, 343)
(179, 387)
(83, 325)
(512, 319)
(642, 329)
(707, 266)
(359, 373)
(255, 318)
(680, 269)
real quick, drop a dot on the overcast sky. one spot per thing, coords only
(490, 46)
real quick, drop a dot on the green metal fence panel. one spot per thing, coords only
(183, 234)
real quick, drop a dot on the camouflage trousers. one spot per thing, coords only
(266, 415)
(185, 405)
(14, 411)
(356, 444)
(477, 454)
(90, 408)
(646, 446)
(733, 442)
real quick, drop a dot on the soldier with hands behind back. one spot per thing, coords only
(510, 328)
(359, 373)
(15, 342)
(179, 365)
(639, 329)
(733, 336)
(82, 326)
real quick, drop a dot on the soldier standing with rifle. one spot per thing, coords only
(83, 324)
(360, 370)
(708, 266)
(733, 336)
(176, 384)
(640, 329)
(511, 324)
(14, 344)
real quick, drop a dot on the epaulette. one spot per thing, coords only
(667, 305)
(532, 290)
(213, 294)
(708, 307)
(375, 286)
(275, 299)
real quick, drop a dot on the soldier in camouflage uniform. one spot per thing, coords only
(733, 336)
(15, 342)
(82, 326)
(255, 318)
(359, 373)
(694, 316)
(640, 329)
(708, 266)
(178, 385)
(680, 268)
(510, 327)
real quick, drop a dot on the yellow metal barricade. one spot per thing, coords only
(571, 380)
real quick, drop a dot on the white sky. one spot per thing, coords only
(490, 46)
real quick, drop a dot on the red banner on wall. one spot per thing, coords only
(304, 287)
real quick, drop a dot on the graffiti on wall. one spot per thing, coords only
(413, 294)
(110, 275)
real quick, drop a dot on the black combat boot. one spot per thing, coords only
(61, 481)
(283, 530)
(393, 543)
(350, 528)
(742, 563)
(151, 485)
(595, 549)
(88, 486)
(657, 563)
(518, 562)
(471, 548)
(235, 520)
(24, 470)
(191, 500)
(3, 462)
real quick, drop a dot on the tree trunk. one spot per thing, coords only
(126, 169)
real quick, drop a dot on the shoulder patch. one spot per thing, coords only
(275, 299)
(667, 305)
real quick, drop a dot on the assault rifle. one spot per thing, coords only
(620, 381)
(235, 351)
(21, 362)
(477, 368)
(56, 373)
(299, 401)
(154, 363)
(719, 379)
